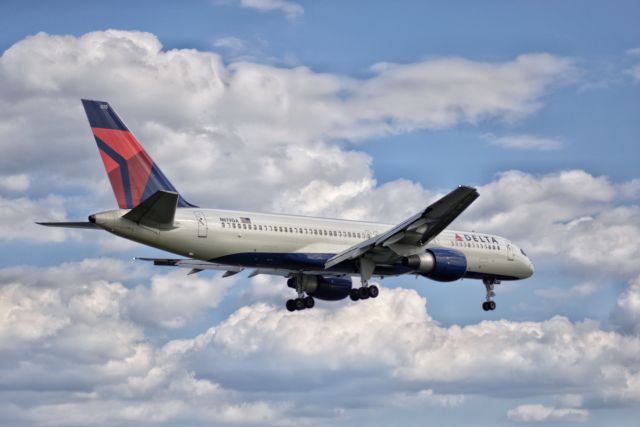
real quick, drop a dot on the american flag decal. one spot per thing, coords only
(245, 220)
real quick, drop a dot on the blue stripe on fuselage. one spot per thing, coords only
(315, 262)
(301, 261)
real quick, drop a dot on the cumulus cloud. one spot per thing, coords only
(18, 216)
(174, 298)
(524, 142)
(90, 356)
(585, 219)
(627, 312)
(218, 130)
(74, 350)
(543, 414)
(396, 338)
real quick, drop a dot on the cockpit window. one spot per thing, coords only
(523, 252)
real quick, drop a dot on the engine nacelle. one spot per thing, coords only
(325, 288)
(443, 265)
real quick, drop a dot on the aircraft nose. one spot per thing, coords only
(528, 268)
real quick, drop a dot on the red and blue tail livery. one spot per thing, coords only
(133, 174)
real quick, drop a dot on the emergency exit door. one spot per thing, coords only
(202, 224)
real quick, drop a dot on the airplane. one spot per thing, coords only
(317, 256)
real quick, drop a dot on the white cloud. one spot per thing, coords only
(394, 336)
(231, 43)
(219, 130)
(73, 352)
(18, 217)
(289, 8)
(175, 298)
(76, 343)
(571, 217)
(524, 142)
(14, 183)
(627, 312)
(542, 414)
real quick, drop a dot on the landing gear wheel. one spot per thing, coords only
(363, 292)
(291, 305)
(373, 291)
(489, 284)
(309, 302)
(354, 295)
(300, 304)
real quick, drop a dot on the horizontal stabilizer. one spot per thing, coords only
(83, 224)
(157, 210)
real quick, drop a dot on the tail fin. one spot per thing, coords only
(133, 174)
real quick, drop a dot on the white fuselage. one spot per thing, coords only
(250, 239)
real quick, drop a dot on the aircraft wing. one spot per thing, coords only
(412, 233)
(197, 266)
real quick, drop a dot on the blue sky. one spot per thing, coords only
(364, 110)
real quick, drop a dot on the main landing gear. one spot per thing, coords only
(302, 302)
(366, 267)
(364, 292)
(489, 304)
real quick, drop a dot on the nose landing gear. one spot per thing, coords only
(489, 283)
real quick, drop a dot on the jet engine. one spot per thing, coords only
(443, 265)
(325, 288)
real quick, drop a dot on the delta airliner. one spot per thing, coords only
(318, 256)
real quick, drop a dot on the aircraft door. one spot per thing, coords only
(510, 253)
(202, 224)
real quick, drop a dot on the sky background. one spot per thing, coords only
(359, 110)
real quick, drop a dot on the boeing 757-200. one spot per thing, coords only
(318, 256)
